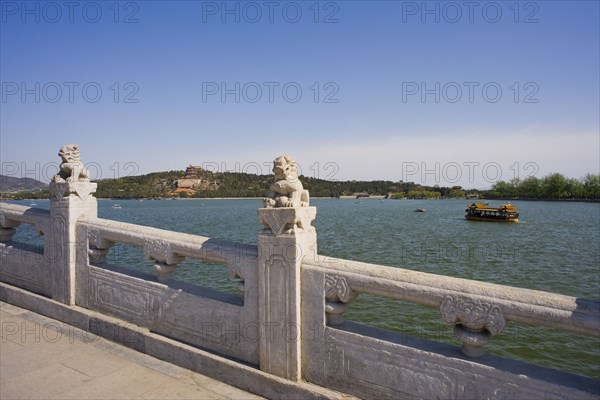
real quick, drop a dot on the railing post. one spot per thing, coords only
(287, 240)
(71, 197)
(280, 256)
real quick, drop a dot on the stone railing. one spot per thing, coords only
(481, 309)
(287, 330)
(394, 367)
(195, 315)
(24, 265)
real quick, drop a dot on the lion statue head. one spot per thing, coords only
(70, 153)
(284, 168)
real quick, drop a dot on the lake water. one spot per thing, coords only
(555, 248)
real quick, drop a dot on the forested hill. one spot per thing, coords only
(13, 184)
(233, 184)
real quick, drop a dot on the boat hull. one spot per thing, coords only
(475, 218)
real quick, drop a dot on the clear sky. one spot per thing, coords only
(448, 93)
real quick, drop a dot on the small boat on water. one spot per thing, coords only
(483, 212)
(116, 206)
(420, 210)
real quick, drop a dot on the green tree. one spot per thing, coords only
(505, 189)
(530, 188)
(456, 193)
(555, 186)
(591, 186)
(574, 189)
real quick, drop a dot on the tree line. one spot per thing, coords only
(551, 187)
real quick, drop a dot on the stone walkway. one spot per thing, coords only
(41, 358)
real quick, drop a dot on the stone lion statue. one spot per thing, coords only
(71, 168)
(286, 189)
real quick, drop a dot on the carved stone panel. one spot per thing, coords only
(97, 241)
(287, 220)
(120, 296)
(337, 288)
(475, 322)
(476, 315)
(82, 190)
(160, 250)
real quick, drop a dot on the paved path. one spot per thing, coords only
(41, 358)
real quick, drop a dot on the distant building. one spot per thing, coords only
(188, 183)
(192, 171)
(194, 180)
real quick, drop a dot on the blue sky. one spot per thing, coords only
(448, 93)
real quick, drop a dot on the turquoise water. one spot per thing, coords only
(555, 248)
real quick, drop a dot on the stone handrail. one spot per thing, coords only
(12, 215)
(515, 304)
(169, 248)
(24, 264)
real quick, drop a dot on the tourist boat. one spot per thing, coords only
(116, 206)
(483, 212)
